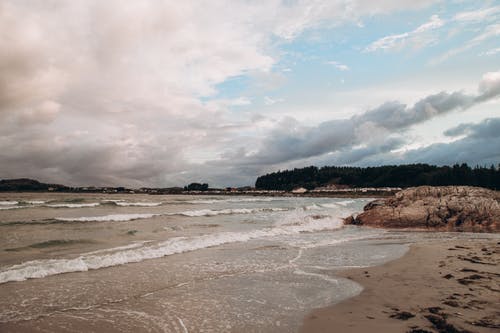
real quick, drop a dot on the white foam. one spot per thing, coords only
(10, 207)
(8, 203)
(345, 202)
(43, 268)
(311, 244)
(106, 218)
(190, 213)
(312, 207)
(138, 204)
(73, 205)
(212, 201)
(35, 202)
(210, 212)
(134, 245)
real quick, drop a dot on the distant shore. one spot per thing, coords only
(436, 287)
(24, 185)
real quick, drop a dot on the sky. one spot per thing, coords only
(165, 93)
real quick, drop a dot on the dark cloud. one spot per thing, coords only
(480, 146)
(395, 115)
(488, 128)
(290, 141)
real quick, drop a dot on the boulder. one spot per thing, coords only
(445, 208)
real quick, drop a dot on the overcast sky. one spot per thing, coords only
(164, 93)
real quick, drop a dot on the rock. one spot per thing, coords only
(446, 208)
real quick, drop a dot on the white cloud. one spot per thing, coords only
(338, 65)
(271, 101)
(489, 32)
(478, 15)
(490, 52)
(416, 38)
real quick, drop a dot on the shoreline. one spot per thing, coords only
(332, 194)
(451, 286)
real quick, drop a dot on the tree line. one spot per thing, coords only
(381, 176)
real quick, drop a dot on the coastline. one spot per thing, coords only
(448, 286)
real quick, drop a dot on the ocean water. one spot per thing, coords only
(138, 263)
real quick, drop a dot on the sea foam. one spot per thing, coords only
(35, 202)
(190, 213)
(48, 267)
(10, 207)
(73, 205)
(8, 203)
(231, 200)
(138, 204)
(106, 218)
(228, 211)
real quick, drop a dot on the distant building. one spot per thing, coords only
(299, 190)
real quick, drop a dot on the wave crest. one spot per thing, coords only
(48, 267)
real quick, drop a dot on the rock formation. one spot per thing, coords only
(446, 208)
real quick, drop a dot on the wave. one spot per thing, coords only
(234, 200)
(8, 203)
(190, 213)
(138, 204)
(336, 204)
(134, 245)
(48, 267)
(106, 218)
(210, 212)
(73, 205)
(345, 202)
(10, 207)
(5, 205)
(35, 202)
(312, 207)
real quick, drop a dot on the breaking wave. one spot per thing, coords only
(8, 203)
(210, 212)
(48, 267)
(233, 200)
(73, 205)
(106, 218)
(137, 204)
(35, 202)
(10, 207)
(191, 213)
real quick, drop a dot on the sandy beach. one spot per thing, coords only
(451, 286)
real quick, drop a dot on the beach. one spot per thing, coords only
(451, 286)
(73, 262)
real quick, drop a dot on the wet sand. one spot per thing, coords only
(451, 286)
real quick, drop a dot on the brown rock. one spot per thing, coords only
(447, 208)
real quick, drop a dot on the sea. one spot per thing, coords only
(73, 262)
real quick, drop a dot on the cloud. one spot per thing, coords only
(128, 93)
(489, 86)
(479, 146)
(490, 52)
(271, 101)
(291, 141)
(479, 15)
(338, 65)
(488, 32)
(488, 128)
(416, 38)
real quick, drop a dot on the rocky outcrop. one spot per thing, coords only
(447, 208)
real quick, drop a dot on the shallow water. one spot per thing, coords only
(130, 263)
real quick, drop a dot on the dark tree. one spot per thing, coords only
(382, 176)
(197, 187)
